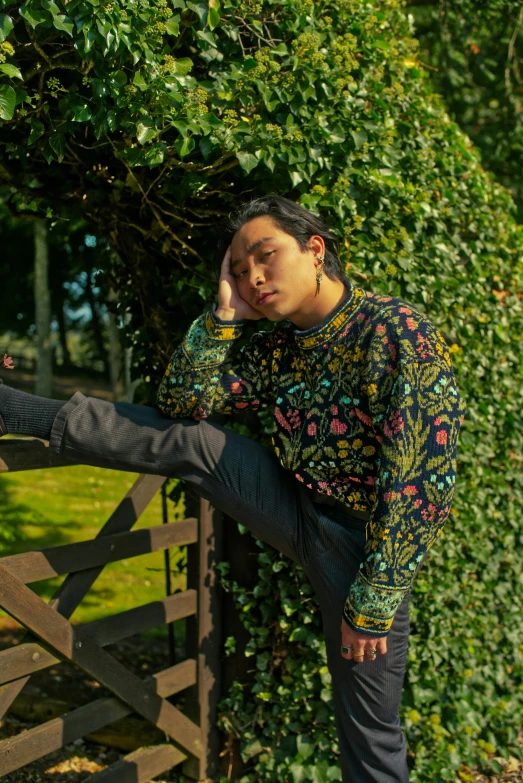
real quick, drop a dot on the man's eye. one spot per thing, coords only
(238, 275)
(268, 253)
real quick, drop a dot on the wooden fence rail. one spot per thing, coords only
(189, 736)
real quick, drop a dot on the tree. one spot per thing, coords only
(475, 53)
(43, 311)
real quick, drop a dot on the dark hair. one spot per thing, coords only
(294, 220)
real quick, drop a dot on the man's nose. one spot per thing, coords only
(256, 278)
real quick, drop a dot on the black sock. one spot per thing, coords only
(27, 414)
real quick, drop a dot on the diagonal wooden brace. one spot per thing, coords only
(75, 586)
(26, 607)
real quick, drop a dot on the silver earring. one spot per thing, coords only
(319, 273)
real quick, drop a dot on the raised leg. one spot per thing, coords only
(237, 475)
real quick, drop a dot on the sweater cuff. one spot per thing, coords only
(370, 609)
(222, 330)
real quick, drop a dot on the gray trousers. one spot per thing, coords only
(245, 480)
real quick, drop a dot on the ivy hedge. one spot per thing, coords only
(153, 120)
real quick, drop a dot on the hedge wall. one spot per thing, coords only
(154, 129)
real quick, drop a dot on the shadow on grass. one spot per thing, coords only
(14, 517)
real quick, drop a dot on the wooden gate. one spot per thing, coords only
(190, 736)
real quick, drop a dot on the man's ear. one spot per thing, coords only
(316, 245)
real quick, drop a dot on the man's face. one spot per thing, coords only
(271, 272)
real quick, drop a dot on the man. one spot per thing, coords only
(366, 423)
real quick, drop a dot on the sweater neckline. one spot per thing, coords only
(333, 323)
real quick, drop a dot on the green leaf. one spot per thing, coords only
(155, 155)
(82, 113)
(213, 19)
(305, 746)
(181, 127)
(145, 133)
(360, 137)
(120, 77)
(139, 81)
(182, 66)
(6, 25)
(201, 9)
(252, 749)
(184, 146)
(50, 6)
(33, 15)
(11, 70)
(37, 130)
(298, 772)
(173, 26)
(62, 22)
(57, 144)
(7, 102)
(112, 120)
(247, 161)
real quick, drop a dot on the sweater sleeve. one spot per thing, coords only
(204, 378)
(417, 422)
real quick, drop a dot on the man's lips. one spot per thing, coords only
(264, 298)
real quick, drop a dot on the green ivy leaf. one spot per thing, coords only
(184, 146)
(139, 81)
(247, 161)
(6, 25)
(213, 18)
(182, 66)
(145, 133)
(11, 70)
(62, 22)
(155, 155)
(33, 15)
(57, 144)
(37, 130)
(7, 102)
(360, 137)
(82, 112)
(172, 25)
(305, 746)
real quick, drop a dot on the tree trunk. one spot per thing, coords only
(62, 330)
(42, 311)
(96, 324)
(115, 358)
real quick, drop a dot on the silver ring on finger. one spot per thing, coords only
(345, 650)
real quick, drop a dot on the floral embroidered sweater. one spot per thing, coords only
(366, 409)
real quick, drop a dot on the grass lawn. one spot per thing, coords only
(43, 508)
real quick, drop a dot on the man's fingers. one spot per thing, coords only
(382, 646)
(226, 263)
(359, 652)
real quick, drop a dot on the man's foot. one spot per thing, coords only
(26, 414)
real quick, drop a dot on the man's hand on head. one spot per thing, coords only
(231, 306)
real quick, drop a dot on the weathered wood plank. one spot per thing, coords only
(20, 602)
(176, 678)
(28, 454)
(76, 586)
(204, 635)
(26, 659)
(82, 555)
(39, 741)
(142, 618)
(140, 766)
